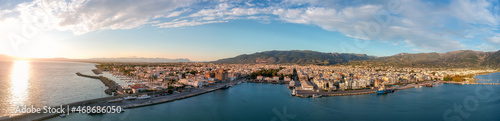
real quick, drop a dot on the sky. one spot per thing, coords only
(207, 30)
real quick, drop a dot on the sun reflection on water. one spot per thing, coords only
(19, 82)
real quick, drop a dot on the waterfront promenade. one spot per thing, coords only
(126, 103)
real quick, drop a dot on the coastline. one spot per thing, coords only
(125, 104)
(101, 101)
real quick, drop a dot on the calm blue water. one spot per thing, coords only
(250, 101)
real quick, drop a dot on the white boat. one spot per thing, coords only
(130, 98)
(291, 84)
(143, 97)
(317, 96)
(115, 100)
(293, 92)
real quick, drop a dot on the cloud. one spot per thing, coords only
(420, 24)
(92, 15)
(495, 39)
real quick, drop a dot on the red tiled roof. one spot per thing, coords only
(137, 87)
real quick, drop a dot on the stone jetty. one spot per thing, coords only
(112, 85)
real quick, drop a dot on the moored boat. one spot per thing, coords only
(428, 85)
(115, 100)
(317, 96)
(143, 97)
(382, 90)
(130, 98)
(225, 87)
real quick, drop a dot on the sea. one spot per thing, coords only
(55, 83)
(45, 83)
(273, 102)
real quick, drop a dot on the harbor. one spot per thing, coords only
(309, 93)
(127, 104)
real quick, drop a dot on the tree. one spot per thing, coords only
(447, 78)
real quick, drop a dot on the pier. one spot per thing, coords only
(112, 85)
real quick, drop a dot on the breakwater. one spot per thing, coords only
(112, 85)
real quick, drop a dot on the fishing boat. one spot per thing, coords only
(130, 98)
(115, 100)
(143, 97)
(428, 85)
(382, 90)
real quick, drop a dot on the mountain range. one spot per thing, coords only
(296, 57)
(138, 59)
(121, 59)
(455, 59)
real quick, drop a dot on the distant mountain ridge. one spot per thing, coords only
(137, 59)
(295, 57)
(453, 59)
(6, 57)
(120, 59)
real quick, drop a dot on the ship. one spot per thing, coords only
(115, 100)
(383, 90)
(130, 98)
(291, 85)
(317, 96)
(143, 97)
